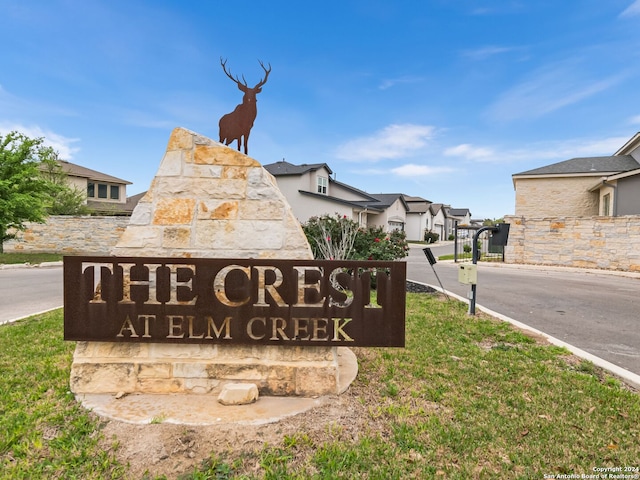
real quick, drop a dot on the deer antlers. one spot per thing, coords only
(267, 71)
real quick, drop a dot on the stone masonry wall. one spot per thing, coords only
(547, 197)
(611, 243)
(71, 235)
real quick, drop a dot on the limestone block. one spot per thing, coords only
(141, 215)
(102, 377)
(159, 385)
(176, 237)
(154, 370)
(174, 211)
(238, 394)
(171, 164)
(217, 210)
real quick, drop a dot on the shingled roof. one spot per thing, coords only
(74, 170)
(587, 166)
(285, 168)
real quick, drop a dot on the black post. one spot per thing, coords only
(474, 259)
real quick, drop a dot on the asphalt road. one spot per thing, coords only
(26, 291)
(596, 312)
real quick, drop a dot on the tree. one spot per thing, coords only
(63, 199)
(32, 185)
(23, 190)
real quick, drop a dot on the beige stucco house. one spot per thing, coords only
(312, 191)
(105, 194)
(579, 187)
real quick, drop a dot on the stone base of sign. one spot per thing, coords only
(105, 367)
(208, 201)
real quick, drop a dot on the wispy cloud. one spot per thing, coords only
(63, 145)
(411, 170)
(485, 52)
(549, 89)
(635, 120)
(540, 152)
(403, 80)
(393, 141)
(631, 10)
(470, 152)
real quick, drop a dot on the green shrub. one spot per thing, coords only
(431, 237)
(328, 234)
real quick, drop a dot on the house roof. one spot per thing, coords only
(410, 199)
(357, 204)
(385, 200)
(595, 166)
(285, 168)
(630, 146)
(352, 188)
(459, 212)
(74, 170)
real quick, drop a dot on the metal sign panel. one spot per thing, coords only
(234, 301)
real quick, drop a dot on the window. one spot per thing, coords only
(606, 205)
(322, 185)
(104, 191)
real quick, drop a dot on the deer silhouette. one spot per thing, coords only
(237, 124)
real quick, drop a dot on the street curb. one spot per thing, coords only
(6, 322)
(11, 266)
(626, 376)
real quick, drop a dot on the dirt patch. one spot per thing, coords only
(172, 450)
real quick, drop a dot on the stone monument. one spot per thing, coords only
(210, 201)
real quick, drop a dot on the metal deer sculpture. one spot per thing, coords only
(237, 124)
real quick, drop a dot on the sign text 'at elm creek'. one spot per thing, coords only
(235, 301)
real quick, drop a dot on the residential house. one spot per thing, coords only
(418, 218)
(585, 186)
(312, 190)
(438, 220)
(105, 194)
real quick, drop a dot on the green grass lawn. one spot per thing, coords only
(32, 258)
(469, 397)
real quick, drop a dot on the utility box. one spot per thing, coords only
(468, 274)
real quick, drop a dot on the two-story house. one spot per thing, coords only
(105, 194)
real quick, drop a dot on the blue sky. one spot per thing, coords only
(443, 99)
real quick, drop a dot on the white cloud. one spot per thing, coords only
(61, 144)
(635, 120)
(631, 10)
(483, 53)
(469, 152)
(413, 170)
(392, 82)
(393, 141)
(549, 89)
(541, 152)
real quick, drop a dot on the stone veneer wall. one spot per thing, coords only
(71, 235)
(562, 196)
(611, 243)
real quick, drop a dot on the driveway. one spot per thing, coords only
(593, 310)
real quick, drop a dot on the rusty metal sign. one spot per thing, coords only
(234, 301)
